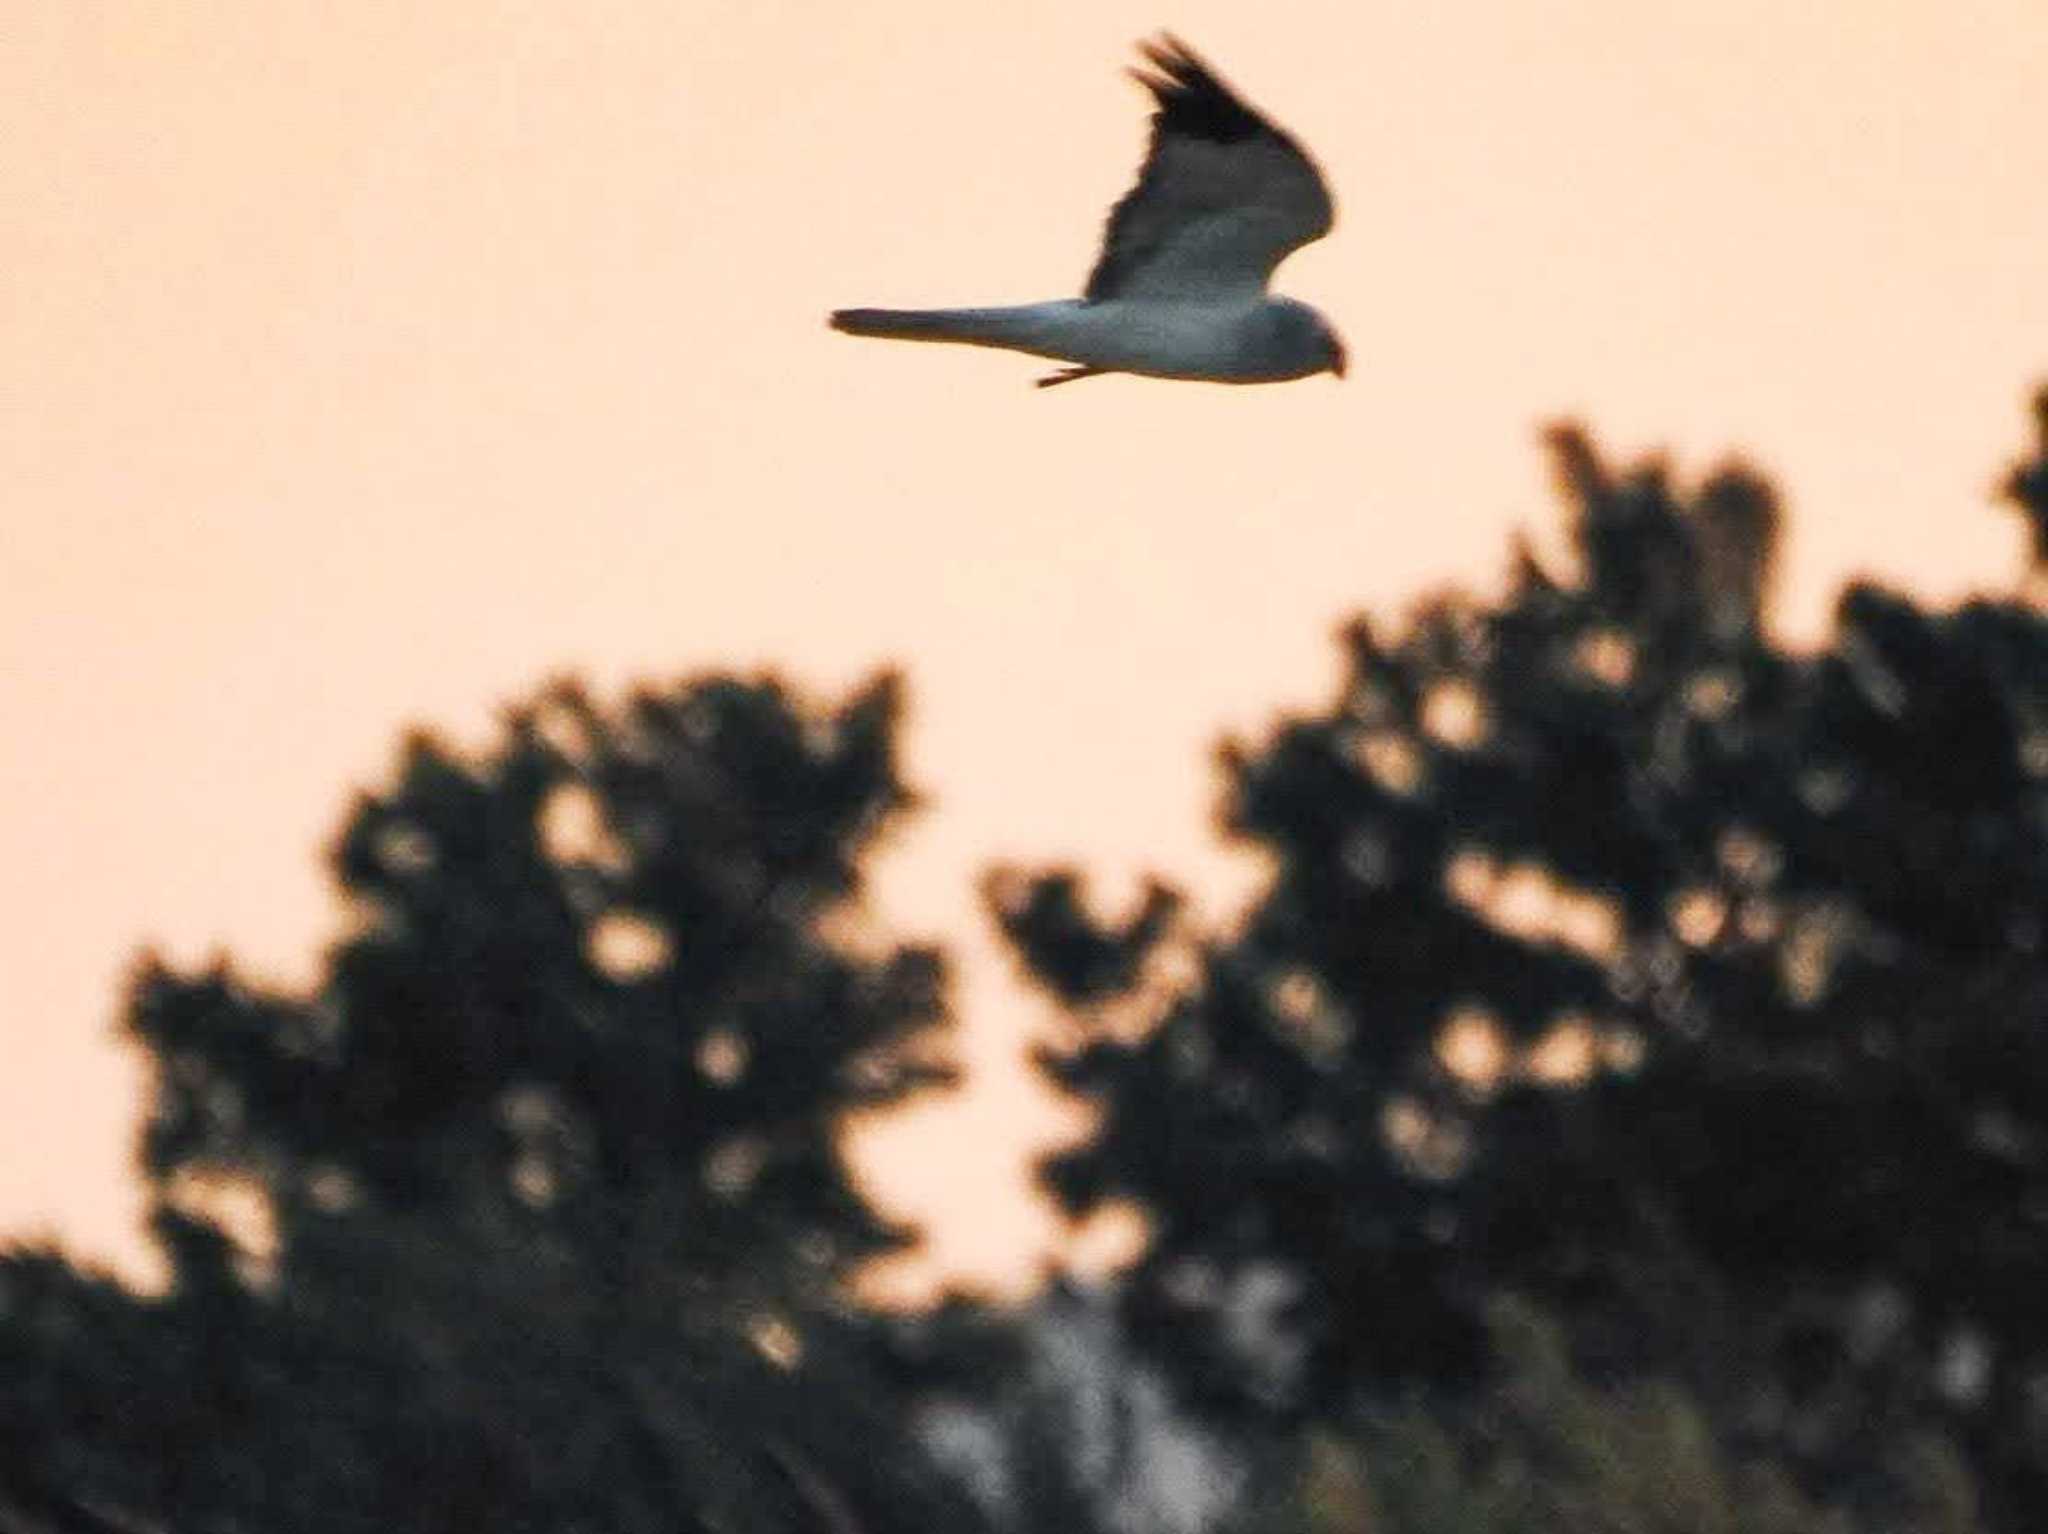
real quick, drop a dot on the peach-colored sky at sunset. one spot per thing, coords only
(367, 364)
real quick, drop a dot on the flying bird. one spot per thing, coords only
(1179, 290)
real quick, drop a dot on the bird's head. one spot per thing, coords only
(1309, 341)
(1333, 352)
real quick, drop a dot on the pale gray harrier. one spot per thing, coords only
(1179, 290)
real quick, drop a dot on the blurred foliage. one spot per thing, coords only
(1048, 1419)
(1616, 954)
(445, 1375)
(588, 967)
(2027, 485)
(1543, 1450)
(529, 1212)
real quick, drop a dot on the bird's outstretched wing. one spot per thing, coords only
(1222, 198)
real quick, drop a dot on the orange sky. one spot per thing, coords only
(366, 364)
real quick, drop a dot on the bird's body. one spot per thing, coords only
(1179, 290)
(1259, 340)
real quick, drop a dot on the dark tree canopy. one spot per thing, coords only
(588, 968)
(550, 1156)
(1619, 956)
(439, 1375)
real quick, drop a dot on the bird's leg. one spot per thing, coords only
(1068, 375)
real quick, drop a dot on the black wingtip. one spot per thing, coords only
(1193, 101)
(1168, 53)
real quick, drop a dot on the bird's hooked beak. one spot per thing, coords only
(1336, 356)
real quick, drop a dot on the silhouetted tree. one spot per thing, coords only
(443, 1374)
(1545, 1450)
(590, 968)
(2027, 486)
(1617, 956)
(529, 1212)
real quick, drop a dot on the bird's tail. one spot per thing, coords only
(901, 324)
(1023, 327)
